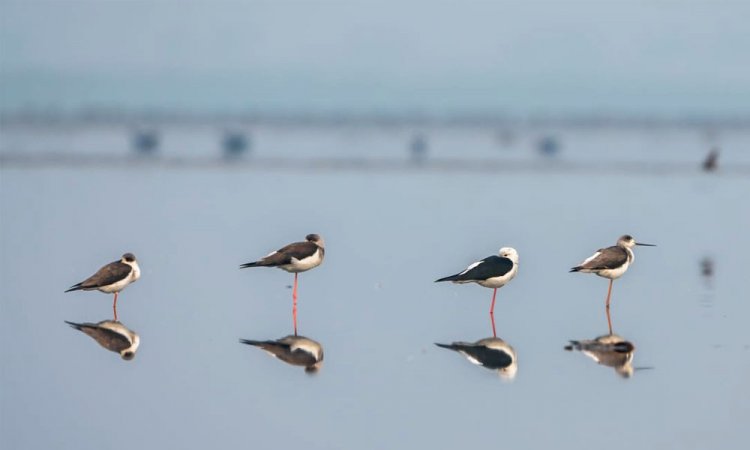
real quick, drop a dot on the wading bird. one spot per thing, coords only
(112, 278)
(295, 258)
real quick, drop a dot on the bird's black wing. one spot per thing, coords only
(487, 357)
(490, 267)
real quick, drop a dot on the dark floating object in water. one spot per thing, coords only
(609, 350)
(235, 143)
(491, 353)
(112, 335)
(548, 145)
(711, 163)
(146, 141)
(418, 147)
(294, 350)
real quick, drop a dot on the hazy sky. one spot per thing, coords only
(631, 56)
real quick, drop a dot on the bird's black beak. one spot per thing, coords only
(645, 245)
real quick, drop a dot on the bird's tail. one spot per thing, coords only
(574, 345)
(448, 346)
(251, 264)
(450, 278)
(75, 287)
(252, 342)
(575, 269)
(77, 326)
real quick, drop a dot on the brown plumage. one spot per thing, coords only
(294, 350)
(112, 335)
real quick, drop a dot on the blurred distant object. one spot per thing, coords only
(505, 137)
(548, 145)
(418, 148)
(235, 143)
(707, 267)
(146, 141)
(711, 163)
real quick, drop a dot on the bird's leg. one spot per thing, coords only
(609, 294)
(294, 304)
(492, 313)
(114, 307)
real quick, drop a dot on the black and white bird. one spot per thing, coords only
(609, 350)
(294, 350)
(295, 258)
(611, 262)
(492, 272)
(112, 278)
(111, 335)
(492, 353)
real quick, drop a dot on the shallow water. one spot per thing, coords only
(373, 304)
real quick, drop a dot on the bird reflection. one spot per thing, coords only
(294, 350)
(711, 163)
(609, 350)
(707, 267)
(112, 335)
(492, 353)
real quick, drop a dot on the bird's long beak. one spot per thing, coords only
(645, 245)
(643, 368)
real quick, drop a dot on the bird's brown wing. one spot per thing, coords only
(111, 273)
(106, 338)
(297, 250)
(608, 258)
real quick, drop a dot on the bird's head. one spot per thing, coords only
(316, 239)
(128, 258)
(510, 253)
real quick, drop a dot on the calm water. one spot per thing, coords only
(373, 304)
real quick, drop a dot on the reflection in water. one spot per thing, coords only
(609, 350)
(112, 335)
(492, 353)
(711, 163)
(707, 267)
(294, 350)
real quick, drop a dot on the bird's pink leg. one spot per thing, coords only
(492, 313)
(609, 294)
(114, 307)
(294, 306)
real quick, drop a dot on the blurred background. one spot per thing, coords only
(416, 137)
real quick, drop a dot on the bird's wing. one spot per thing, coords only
(107, 338)
(606, 258)
(299, 250)
(111, 273)
(487, 357)
(490, 267)
(284, 255)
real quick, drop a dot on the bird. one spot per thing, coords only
(611, 262)
(295, 258)
(112, 335)
(112, 278)
(492, 272)
(294, 350)
(609, 350)
(492, 353)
